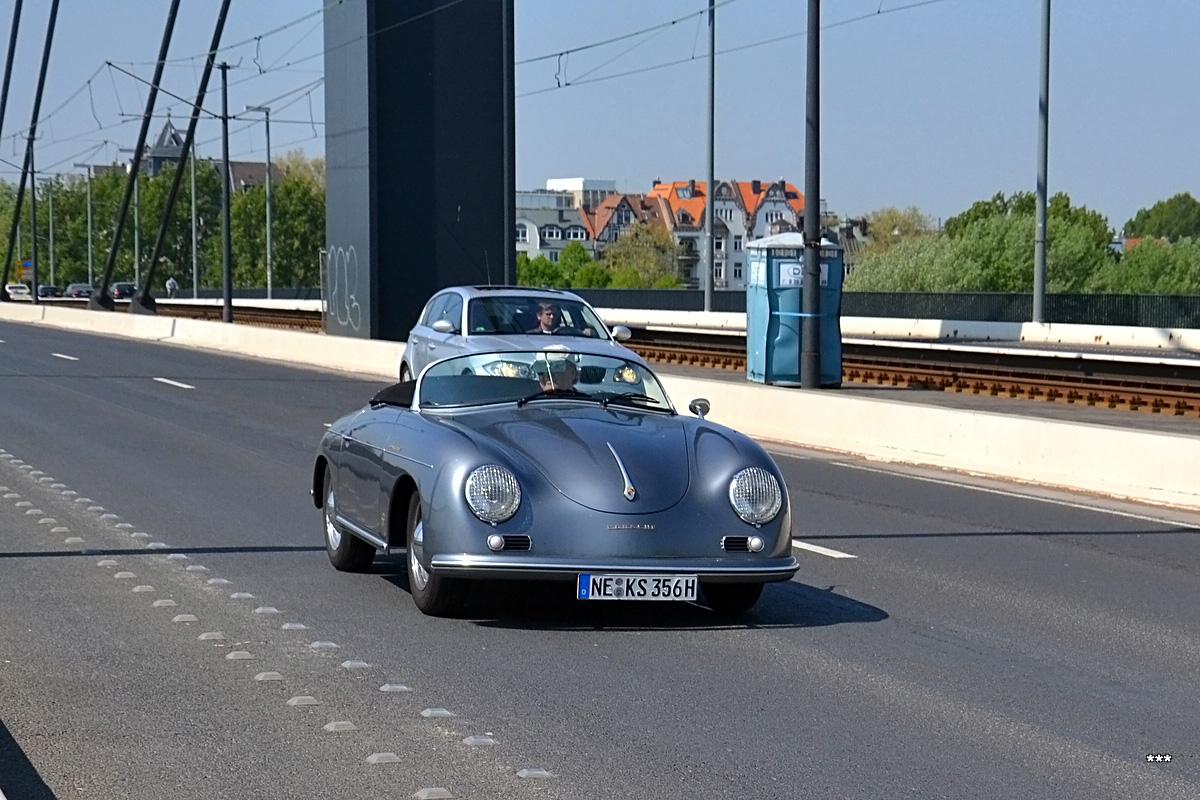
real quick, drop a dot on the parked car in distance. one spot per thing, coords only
(49, 291)
(18, 291)
(470, 319)
(552, 465)
(122, 290)
(79, 290)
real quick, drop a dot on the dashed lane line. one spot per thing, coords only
(825, 551)
(170, 382)
(64, 357)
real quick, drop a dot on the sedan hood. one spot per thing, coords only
(608, 460)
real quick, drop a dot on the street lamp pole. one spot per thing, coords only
(91, 250)
(266, 111)
(710, 267)
(195, 263)
(50, 200)
(33, 218)
(137, 222)
(1039, 250)
(226, 190)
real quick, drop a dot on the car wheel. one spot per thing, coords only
(731, 598)
(347, 553)
(434, 595)
(405, 372)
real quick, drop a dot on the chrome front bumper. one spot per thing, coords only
(525, 567)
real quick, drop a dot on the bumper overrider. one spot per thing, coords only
(527, 567)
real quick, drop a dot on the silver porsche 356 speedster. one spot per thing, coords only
(552, 465)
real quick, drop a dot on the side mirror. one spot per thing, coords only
(444, 326)
(621, 333)
(699, 407)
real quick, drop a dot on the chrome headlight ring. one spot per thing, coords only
(755, 495)
(492, 493)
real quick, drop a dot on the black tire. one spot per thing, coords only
(435, 595)
(405, 372)
(347, 553)
(731, 598)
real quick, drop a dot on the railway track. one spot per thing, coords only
(1102, 384)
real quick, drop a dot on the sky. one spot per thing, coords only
(932, 105)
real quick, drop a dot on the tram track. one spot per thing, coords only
(1078, 380)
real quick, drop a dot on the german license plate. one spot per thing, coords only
(636, 587)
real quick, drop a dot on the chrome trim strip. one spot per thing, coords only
(630, 493)
(395, 451)
(361, 533)
(782, 567)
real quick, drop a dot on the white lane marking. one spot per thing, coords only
(64, 357)
(170, 382)
(1023, 496)
(825, 551)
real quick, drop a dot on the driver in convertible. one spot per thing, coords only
(549, 319)
(556, 375)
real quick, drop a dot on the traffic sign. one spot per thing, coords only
(26, 270)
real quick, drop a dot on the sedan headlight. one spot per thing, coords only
(755, 496)
(493, 493)
(507, 369)
(625, 374)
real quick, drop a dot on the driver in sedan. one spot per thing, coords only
(549, 319)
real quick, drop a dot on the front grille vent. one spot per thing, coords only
(517, 542)
(736, 544)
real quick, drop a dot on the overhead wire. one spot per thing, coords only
(622, 37)
(726, 51)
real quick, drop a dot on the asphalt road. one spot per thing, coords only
(985, 640)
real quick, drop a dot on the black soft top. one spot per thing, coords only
(398, 394)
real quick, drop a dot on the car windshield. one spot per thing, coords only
(517, 314)
(554, 374)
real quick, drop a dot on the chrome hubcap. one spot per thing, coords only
(418, 574)
(332, 534)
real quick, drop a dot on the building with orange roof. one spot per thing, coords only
(742, 211)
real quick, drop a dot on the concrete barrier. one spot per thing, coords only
(1132, 464)
(1138, 465)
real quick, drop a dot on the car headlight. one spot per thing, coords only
(755, 496)
(625, 374)
(507, 369)
(493, 493)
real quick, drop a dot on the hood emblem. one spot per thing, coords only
(630, 493)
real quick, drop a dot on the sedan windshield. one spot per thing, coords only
(551, 375)
(515, 314)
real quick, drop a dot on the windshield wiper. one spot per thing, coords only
(552, 393)
(628, 396)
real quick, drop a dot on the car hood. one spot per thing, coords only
(581, 450)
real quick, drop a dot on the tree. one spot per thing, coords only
(591, 276)
(918, 264)
(648, 250)
(295, 163)
(1153, 267)
(1170, 219)
(573, 258)
(889, 226)
(627, 278)
(541, 272)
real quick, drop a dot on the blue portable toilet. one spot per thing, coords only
(774, 313)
